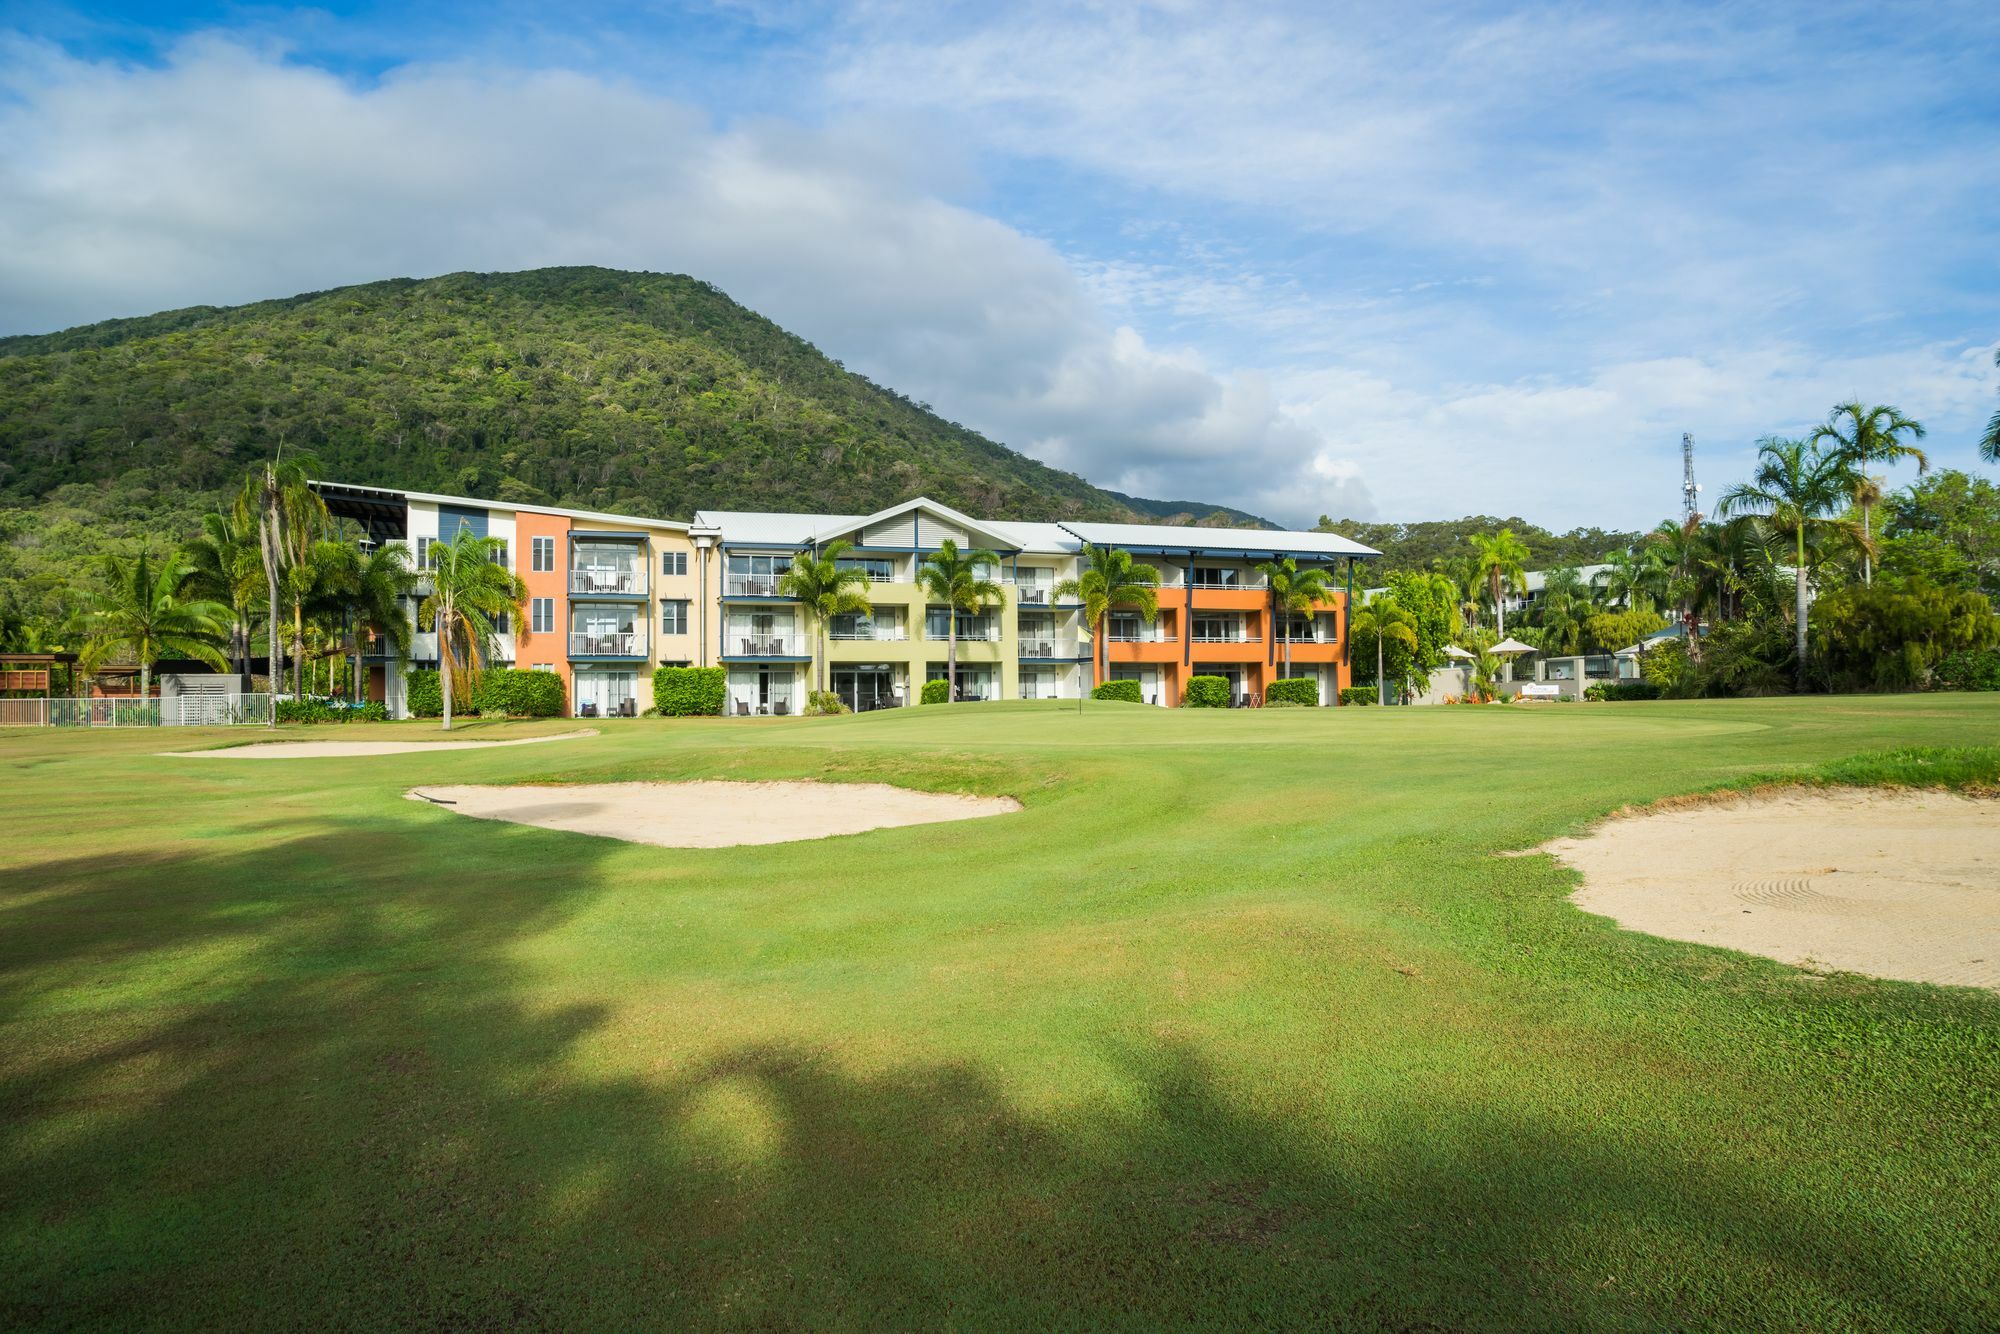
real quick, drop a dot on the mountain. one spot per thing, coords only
(644, 393)
(1414, 546)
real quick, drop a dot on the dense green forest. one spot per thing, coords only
(1418, 546)
(637, 393)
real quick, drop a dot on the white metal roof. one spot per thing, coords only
(1040, 538)
(1254, 541)
(507, 506)
(755, 527)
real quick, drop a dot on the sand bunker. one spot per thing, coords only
(1903, 885)
(301, 750)
(714, 814)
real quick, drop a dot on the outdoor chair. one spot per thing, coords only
(781, 708)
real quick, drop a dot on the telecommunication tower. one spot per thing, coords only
(1690, 491)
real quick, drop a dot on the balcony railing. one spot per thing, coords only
(1140, 637)
(617, 645)
(583, 583)
(989, 635)
(881, 634)
(1028, 596)
(750, 586)
(740, 645)
(1049, 648)
(1233, 637)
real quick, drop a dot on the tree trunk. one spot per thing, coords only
(951, 654)
(145, 686)
(1867, 562)
(1381, 685)
(267, 533)
(1799, 630)
(299, 649)
(444, 665)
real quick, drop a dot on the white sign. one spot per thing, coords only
(1541, 689)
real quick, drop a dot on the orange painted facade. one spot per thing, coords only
(550, 646)
(1256, 658)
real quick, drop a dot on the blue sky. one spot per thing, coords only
(1399, 262)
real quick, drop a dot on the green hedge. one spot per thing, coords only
(936, 692)
(422, 693)
(308, 711)
(1205, 692)
(1125, 690)
(519, 693)
(1968, 669)
(1359, 695)
(1621, 690)
(690, 692)
(1297, 689)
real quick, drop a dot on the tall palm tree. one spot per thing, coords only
(315, 580)
(470, 590)
(1867, 436)
(224, 566)
(1499, 559)
(372, 590)
(1799, 487)
(1989, 444)
(958, 581)
(1561, 609)
(1384, 620)
(1294, 592)
(143, 613)
(1111, 578)
(278, 498)
(1634, 577)
(826, 589)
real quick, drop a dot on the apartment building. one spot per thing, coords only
(613, 596)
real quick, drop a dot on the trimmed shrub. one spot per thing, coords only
(374, 711)
(1124, 690)
(819, 702)
(1618, 691)
(422, 692)
(1968, 669)
(936, 692)
(1359, 695)
(1205, 692)
(309, 711)
(519, 693)
(1285, 704)
(1297, 689)
(690, 692)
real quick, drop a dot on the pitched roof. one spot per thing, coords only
(1217, 541)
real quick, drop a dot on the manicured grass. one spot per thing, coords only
(1240, 1021)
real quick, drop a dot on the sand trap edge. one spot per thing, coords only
(333, 748)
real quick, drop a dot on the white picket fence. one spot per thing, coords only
(188, 710)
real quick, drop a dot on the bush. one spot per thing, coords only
(1297, 689)
(690, 692)
(936, 692)
(1285, 704)
(820, 702)
(309, 711)
(1895, 635)
(374, 711)
(519, 693)
(1665, 665)
(1124, 690)
(423, 694)
(1968, 669)
(1616, 691)
(1204, 692)
(1359, 695)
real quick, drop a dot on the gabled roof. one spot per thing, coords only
(764, 528)
(1045, 539)
(1258, 542)
(840, 525)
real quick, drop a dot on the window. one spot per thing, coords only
(500, 553)
(1216, 576)
(674, 562)
(545, 666)
(543, 614)
(424, 561)
(879, 569)
(936, 626)
(542, 552)
(674, 618)
(503, 624)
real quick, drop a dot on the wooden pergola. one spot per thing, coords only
(28, 673)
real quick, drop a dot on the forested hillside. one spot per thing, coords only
(1414, 546)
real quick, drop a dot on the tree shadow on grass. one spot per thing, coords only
(314, 1094)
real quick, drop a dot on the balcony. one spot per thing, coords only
(1028, 596)
(1231, 637)
(880, 634)
(989, 635)
(739, 645)
(1149, 636)
(1051, 648)
(628, 644)
(607, 582)
(751, 586)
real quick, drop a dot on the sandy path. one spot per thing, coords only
(1903, 885)
(301, 750)
(714, 814)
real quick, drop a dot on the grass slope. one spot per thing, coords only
(1240, 1020)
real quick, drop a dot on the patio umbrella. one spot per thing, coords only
(1507, 648)
(1454, 651)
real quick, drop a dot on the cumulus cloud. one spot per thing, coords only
(228, 173)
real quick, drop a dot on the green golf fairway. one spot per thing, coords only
(1241, 1020)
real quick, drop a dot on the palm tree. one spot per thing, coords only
(224, 566)
(470, 590)
(1867, 436)
(1385, 620)
(826, 589)
(1799, 487)
(372, 590)
(961, 584)
(1111, 578)
(144, 614)
(1989, 444)
(1634, 577)
(315, 578)
(278, 498)
(1561, 610)
(1294, 592)
(1498, 560)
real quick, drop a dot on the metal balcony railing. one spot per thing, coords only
(751, 586)
(880, 634)
(584, 582)
(762, 646)
(614, 645)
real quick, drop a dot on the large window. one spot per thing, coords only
(755, 576)
(879, 569)
(982, 626)
(1217, 576)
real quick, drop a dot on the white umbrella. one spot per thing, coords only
(1454, 651)
(1509, 647)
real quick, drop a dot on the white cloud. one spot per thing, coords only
(229, 174)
